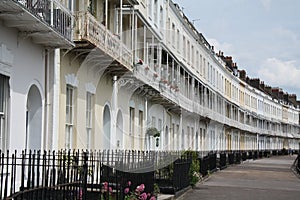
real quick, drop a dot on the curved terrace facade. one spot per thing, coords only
(155, 70)
(137, 65)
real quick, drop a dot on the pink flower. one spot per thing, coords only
(80, 193)
(105, 187)
(143, 196)
(126, 191)
(153, 198)
(129, 183)
(141, 188)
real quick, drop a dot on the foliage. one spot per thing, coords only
(153, 132)
(194, 172)
(106, 191)
(156, 189)
(138, 193)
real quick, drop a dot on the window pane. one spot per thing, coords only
(131, 125)
(68, 96)
(2, 138)
(67, 115)
(3, 91)
(88, 132)
(153, 122)
(69, 105)
(141, 118)
(159, 124)
(71, 115)
(69, 134)
(89, 110)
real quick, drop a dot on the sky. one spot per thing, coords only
(262, 36)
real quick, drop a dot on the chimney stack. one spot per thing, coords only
(242, 75)
(255, 82)
(293, 99)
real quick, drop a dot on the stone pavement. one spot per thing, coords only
(263, 179)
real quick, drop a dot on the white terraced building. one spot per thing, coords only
(96, 74)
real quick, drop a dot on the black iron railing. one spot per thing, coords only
(297, 164)
(52, 13)
(175, 176)
(74, 174)
(105, 174)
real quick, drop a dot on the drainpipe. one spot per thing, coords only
(135, 35)
(195, 136)
(55, 105)
(121, 18)
(180, 132)
(170, 132)
(106, 17)
(162, 135)
(46, 108)
(51, 14)
(239, 140)
(114, 111)
(257, 140)
(131, 21)
(145, 46)
(147, 138)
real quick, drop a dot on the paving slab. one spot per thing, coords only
(268, 178)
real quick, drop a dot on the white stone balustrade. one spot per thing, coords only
(89, 29)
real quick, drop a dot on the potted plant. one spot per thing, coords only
(152, 131)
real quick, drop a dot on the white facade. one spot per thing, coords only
(26, 65)
(26, 74)
(136, 66)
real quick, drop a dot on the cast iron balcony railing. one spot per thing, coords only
(48, 22)
(89, 29)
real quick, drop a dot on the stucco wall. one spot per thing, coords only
(28, 68)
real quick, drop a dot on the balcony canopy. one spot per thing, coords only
(48, 25)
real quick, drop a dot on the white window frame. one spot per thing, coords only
(69, 117)
(141, 122)
(131, 118)
(150, 8)
(4, 96)
(161, 18)
(155, 12)
(89, 119)
(173, 34)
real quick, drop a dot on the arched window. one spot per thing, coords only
(34, 119)
(119, 130)
(166, 138)
(106, 127)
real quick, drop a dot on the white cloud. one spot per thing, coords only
(286, 34)
(266, 4)
(218, 46)
(280, 73)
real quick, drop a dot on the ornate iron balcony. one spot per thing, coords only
(48, 22)
(89, 29)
